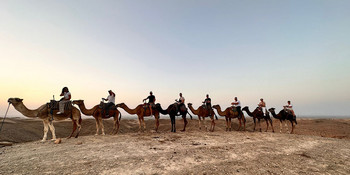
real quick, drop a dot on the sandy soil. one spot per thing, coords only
(319, 146)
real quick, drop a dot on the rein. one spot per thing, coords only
(2, 123)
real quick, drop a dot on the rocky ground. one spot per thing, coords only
(319, 146)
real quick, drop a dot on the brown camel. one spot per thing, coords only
(203, 112)
(283, 115)
(98, 114)
(229, 114)
(141, 112)
(258, 114)
(43, 112)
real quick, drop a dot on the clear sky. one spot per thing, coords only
(277, 50)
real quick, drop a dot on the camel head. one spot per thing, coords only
(78, 102)
(189, 104)
(216, 106)
(272, 110)
(120, 105)
(14, 101)
(245, 108)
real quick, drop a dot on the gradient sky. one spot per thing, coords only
(277, 50)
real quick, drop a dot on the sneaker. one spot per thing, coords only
(59, 113)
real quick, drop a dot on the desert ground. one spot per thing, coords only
(318, 146)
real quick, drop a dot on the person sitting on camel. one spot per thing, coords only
(289, 108)
(151, 100)
(262, 106)
(237, 105)
(207, 102)
(110, 101)
(65, 99)
(180, 102)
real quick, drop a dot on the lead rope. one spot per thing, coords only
(2, 123)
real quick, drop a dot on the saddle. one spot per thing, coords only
(54, 105)
(104, 106)
(234, 109)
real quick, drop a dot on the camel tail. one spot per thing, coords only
(120, 116)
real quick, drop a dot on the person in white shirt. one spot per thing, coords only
(66, 98)
(181, 99)
(238, 106)
(110, 101)
(262, 106)
(289, 107)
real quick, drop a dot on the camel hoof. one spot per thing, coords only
(42, 140)
(183, 130)
(96, 134)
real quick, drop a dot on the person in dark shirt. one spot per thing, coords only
(151, 100)
(207, 102)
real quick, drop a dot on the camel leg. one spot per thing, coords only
(139, 123)
(97, 125)
(226, 118)
(271, 125)
(212, 124)
(173, 128)
(78, 123)
(116, 125)
(230, 124)
(267, 125)
(185, 122)
(199, 123)
(280, 126)
(240, 124)
(74, 128)
(206, 128)
(254, 123)
(46, 129)
(157, 122)
(102, 126)
(292, 127)
(144, 124)
(243, 122)
(285, 124)
(259, 124)
(52, 129)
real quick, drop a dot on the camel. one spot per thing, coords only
(284, 116)
(172, 110)
(202, 112)
(229, 114)
(141, 112)
(43, 112)
(97, 113)
(258, 114)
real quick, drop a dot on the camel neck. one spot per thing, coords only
(128, 110)
(87, 111)
(27, 112)
(220, 112)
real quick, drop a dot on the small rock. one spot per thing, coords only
(79, 143)
(58, 141)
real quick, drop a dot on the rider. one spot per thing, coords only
(111, 101)
(65, 99)
(151, 100)
(181, 101)
(207, 102)
(289, 107)
(237, 104)
(262, 106)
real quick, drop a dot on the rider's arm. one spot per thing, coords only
(69, 97)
